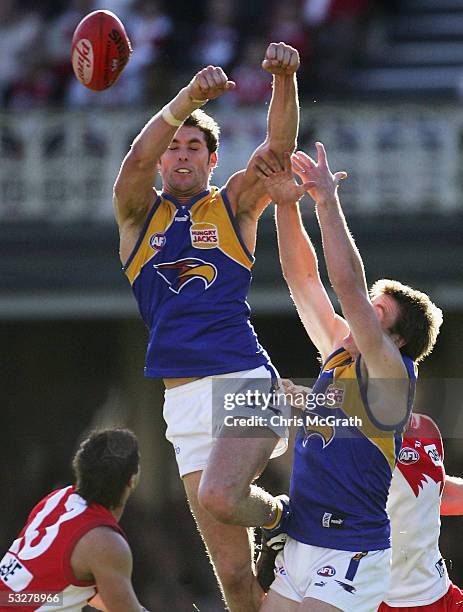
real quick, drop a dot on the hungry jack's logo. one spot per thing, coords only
(179, 273)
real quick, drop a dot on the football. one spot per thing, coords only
(100, 50)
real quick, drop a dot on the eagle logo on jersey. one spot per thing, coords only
(179, 273)
(312, 428)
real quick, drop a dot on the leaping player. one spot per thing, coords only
(337, 555)
(188, 253)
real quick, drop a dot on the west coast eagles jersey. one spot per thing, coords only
(190, 272)
(342, 473)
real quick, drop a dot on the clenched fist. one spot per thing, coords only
(209, 83)
(281, 59)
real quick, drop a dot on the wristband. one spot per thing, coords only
(169, 117)
(199, 102)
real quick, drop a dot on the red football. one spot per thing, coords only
(100, 50)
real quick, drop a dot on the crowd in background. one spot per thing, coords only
(172, 40)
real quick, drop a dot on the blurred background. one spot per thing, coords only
(381, 85)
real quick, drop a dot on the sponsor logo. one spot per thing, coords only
(433, 453)
(327, 571)
(177, 450)
(347, 587)
(320, 584)
(204, 236)
(440, 567)
(280, 569)
(157, 241)
(183, 218)
(179, 273)
(336, 395)
(408, 455)
(82, 60)
(331, 521)
(14, 574)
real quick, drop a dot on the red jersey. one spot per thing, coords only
(39, 560)
(419, 575)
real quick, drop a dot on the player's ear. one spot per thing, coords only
(213, 159)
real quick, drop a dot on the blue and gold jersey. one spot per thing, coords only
(342, 472)
(190, 272)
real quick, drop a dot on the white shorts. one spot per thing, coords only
(350, 581)
(189, 414)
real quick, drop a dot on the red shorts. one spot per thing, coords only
(451, 601)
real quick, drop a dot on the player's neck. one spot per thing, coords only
(117, 512)
(182, 196)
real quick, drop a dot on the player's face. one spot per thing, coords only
(186, 165)
(386, 309)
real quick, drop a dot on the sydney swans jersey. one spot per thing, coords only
(342, 472)
(419, 575)
(39, 560)
(190, 273)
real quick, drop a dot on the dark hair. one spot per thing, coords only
(208, 126)
(104, 464)
(419, 320)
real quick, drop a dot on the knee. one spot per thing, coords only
(219, 502)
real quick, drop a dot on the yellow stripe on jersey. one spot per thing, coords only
(160, 221)
(211, 212)
(352, 404)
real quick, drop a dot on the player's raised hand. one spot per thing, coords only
(209, 83)
(281, 58)
(322, 183)
(279, 180)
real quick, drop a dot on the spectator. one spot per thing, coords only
(20, 31)
(217, 39)
(253, 85)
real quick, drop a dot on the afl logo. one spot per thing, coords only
(326, 571)
(408, 455)
(157, 241)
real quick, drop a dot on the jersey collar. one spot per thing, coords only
(189, 203)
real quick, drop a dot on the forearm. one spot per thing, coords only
(452, 496)
(343, 261)
(297, 254)
(157, 134)
(283, 116)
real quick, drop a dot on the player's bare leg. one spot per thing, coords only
(230, 549)
(226, 490)
(314, 605)
(274, 602)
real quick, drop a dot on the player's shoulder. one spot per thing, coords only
(102, 547)
(422, 426)
(61, 492)
(103, 543)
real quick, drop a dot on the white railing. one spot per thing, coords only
(61, 166)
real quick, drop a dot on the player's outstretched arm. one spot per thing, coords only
(133, 189)
(108, 558)
(298, 257)
(452, 496)
(345, 270)
(247, 196)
